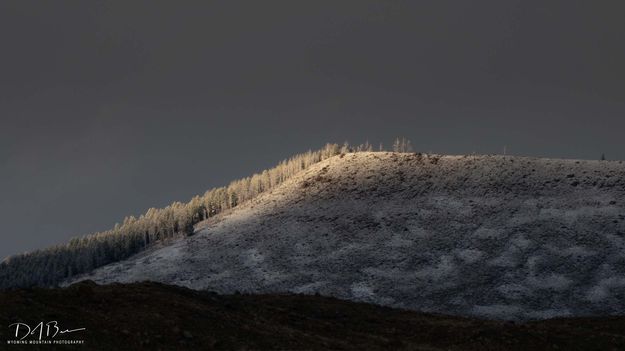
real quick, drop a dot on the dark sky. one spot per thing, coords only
(109, 108)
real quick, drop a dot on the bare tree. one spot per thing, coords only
(402, 145)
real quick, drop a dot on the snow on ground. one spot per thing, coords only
(490, 236)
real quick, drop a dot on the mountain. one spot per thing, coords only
(489, 236)
(151, 316)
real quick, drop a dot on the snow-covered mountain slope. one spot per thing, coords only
(492, 236)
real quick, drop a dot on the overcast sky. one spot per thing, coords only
(109, 108)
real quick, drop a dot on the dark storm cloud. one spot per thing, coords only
(108, 108)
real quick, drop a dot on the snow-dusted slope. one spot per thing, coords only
(492, 236)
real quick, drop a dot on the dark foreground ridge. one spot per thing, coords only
(152, 316)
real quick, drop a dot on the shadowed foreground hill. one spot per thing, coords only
(490, 236)
(150, 316)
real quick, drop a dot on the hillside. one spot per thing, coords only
(489, 236)
(150, 316)
(49, 266)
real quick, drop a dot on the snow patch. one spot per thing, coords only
(470, 255)
(398, 241)
(362, 290)
(602, 290)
